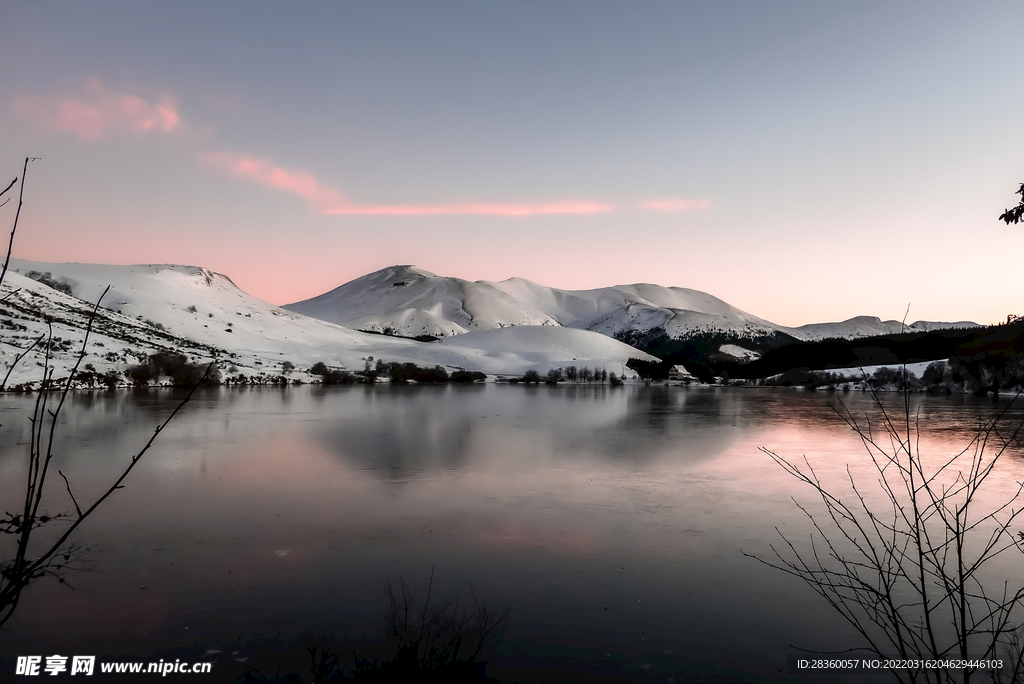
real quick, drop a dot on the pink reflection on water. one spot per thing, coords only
(551, 542)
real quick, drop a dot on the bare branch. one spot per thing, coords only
(17, 214)
(17, 360)
(73, 500)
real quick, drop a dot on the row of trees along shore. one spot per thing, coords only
(406, 372)
(572, 375)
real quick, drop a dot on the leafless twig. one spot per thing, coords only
(17, 214)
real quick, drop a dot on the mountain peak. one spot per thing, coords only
(396, 273)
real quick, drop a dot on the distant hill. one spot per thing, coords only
(870, 326)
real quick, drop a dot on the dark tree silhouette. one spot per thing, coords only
(531, 377)
(1015, 215)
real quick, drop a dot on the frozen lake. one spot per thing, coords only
(610, 520)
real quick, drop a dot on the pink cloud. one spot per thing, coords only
(568, 207)
(301, 183)
(676, 205)
(99, 113)
(329, 200)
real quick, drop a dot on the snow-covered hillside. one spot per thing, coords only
(547, 346)
(409, 301)
(204, 315)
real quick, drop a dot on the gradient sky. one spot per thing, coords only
(804, 161)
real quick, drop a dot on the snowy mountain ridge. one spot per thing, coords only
(409, 301)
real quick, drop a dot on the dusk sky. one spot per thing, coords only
(804, 161)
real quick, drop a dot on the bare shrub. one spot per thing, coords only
(434, 639)
(912, 575)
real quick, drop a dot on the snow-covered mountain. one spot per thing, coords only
(409, 301)
(150, 308)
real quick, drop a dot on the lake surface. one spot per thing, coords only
(610, 520)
